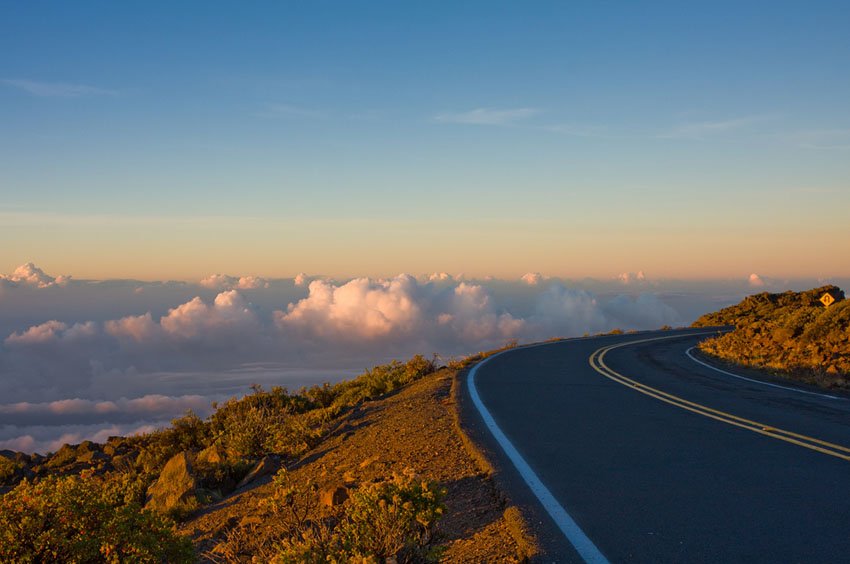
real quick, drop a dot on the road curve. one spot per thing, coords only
(629, 448)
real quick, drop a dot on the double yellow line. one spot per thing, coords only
(597, 362)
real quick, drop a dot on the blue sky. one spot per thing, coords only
(585, 138)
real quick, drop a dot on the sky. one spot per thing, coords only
(157, 141)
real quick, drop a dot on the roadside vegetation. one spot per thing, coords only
(122, 500)
(791, 334)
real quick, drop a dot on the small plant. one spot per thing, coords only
(77, 519)
(392, 519)
(388, 520)
(8, 470)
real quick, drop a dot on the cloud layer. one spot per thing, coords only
(131, 353)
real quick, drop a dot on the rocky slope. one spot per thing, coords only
(792, 334)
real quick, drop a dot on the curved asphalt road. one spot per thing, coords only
(653, 457)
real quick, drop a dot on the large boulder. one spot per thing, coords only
(175, 489)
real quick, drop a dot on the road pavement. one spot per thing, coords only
(627, 449)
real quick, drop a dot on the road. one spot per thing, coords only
(625, 449)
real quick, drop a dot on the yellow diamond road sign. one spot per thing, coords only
(827, 299)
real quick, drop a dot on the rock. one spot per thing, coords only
(368, 461)
(92, 457)
(87, 446)
(264, 467)
(213, 454)
(333, 496)
(175, 486)
(63, 456)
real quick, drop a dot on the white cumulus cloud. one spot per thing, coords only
(30, 275)
(359, 309)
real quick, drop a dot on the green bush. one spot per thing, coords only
(391, 519)
(81, 519)
(394, 518)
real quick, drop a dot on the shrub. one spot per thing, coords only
(394, 518)
(391, 519)
(79, 519)
(8, 470)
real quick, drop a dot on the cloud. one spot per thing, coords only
(138, 328)
(472, 317)
(72, 355)
(152, 405)
(755, 281)
(631, 277)
(195, 320)
(229, 313)
(704, 129)
(225, 282)
(487, 116)
(30, 275)
(561, 311)
(440, 277)
(52, 331)
(44, 439)
(301, 279)
(56, 89)
(532, 278)
(643, 311)
(359, 309)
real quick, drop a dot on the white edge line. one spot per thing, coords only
(799, 391)
(580, 541)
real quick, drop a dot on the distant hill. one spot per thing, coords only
(791, 334)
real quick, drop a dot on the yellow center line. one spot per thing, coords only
(597, 362)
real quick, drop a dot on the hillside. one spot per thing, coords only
(375, 469)
(791, 334)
